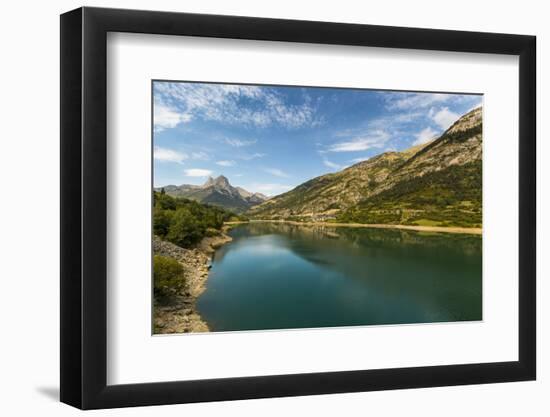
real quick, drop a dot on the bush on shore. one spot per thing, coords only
(167, 274)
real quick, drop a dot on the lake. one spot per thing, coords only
(283, 276)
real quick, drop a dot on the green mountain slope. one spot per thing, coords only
(449, 197)
(438, 183)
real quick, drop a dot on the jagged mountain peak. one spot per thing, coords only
(218, 191)
(220, 181)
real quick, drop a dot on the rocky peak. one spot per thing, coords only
(209, 182)
(220, 181)
(468, 121)
(219, 192)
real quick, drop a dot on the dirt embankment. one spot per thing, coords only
(177, 313)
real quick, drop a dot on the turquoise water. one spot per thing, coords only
(280, 276)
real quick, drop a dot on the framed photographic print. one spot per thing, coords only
(258, 207)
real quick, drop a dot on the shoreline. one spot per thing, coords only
(436, 229)
(178, 313)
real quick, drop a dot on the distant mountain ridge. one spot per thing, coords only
(219, 192)
(437, 183)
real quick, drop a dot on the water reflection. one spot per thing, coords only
(291, 276)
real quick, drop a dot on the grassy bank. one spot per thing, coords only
(438, 229)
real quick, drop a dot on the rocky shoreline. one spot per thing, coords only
(177, 313)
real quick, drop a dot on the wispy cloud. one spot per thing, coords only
(374, 139)
(269, 189)
(376, 133)
(165, 117)
(403, 103)
(331, 165)
(239, 143)
(236, 104)
(168, 155)
(203, 156)
(198, 172)
(361, 159)
(424, 136)
(405, 112)
(406, 101)
(443, 117)
(276, 172)
(226, 163)
(249, 157)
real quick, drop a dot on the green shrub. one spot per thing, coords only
(185, 222)
(167, 274)
(164, 201)
(185, 229)
(161, 221)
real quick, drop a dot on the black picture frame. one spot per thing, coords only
(84, 207)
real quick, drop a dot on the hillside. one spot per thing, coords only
(185, 222)
(438, 183)
(218, 192)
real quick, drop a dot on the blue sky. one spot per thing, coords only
(270, 139)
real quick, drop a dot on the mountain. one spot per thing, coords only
(219, 192)
(437, 183)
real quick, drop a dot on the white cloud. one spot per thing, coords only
(357, 160)
(249, 157)
(165, 117)
(203, 156)
(276, 172)
(237, 104)
(424, 136)
(198, 172)
(375, 139)
(331, 165)
(404, 101)
(269, 189)
(392, 124)
(239, 143)
(168, 155)
(226, 163)
(376, 133)
(444, 117)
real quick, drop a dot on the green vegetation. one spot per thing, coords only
(450, 197)
(167, 274)
(434, 184)
(304, 194)
(185, 222)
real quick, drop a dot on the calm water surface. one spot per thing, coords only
(276, 276)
